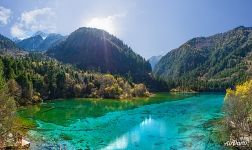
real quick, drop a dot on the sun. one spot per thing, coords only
(106, 24)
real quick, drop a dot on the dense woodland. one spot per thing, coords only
(35, 77)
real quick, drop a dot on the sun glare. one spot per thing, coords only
(106, 24)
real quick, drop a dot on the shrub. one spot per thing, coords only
(238, 110)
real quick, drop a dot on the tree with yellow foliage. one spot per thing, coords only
(238, 110)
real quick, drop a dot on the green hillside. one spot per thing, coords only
(209, 63)
(97, 50)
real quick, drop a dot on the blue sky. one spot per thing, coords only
(150, 27)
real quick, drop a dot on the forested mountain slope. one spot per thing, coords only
(95, 49)
(8, 47)
(209, 63)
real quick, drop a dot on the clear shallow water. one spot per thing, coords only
(164, 121)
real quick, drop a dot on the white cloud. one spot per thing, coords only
(34, 20)
(4, 15)
(106, 23)
(17, 32)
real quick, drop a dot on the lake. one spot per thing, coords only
(164, 121)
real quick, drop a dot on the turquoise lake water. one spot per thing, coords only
(165, 121)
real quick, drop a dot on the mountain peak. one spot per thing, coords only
(95, 49)
(242, 28)
(16, 40)
(42, 34)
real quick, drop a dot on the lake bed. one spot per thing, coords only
(165, 121)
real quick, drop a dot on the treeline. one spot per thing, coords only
(203, 84)
(35, 77)
(219, 82)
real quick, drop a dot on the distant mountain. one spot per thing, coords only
(40, 41)
(214, 62)
(31, 44)
(154, 60)
(8, 47)
(51, 40)
(42, 34)
(16, 40)
(95, 49)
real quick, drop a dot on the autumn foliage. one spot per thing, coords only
(238, 110)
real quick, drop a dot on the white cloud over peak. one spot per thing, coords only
(107, 23)
(34, 20)
(4, 15)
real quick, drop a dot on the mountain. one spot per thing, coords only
(42, 34)
(95, 49)
(40, 41)
(31, 43)
(207, 63)
(16, 40)
(154, 60)
(8, 47)
(51, 40)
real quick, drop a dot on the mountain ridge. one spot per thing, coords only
(40, 41)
